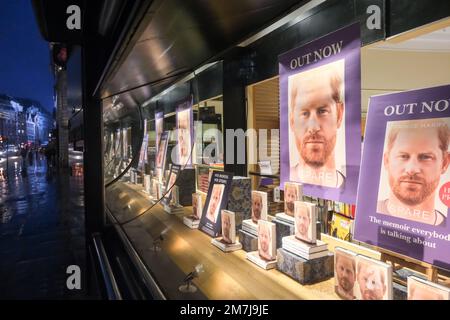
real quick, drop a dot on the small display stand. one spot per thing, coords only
(224, 246)
(305, 271)
(191, 221)
(260, 262)
(305, 262)
(249, 241)
(173, 209)
(399, 261)
(250, 227)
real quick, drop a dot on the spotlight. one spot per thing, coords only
(188, 287)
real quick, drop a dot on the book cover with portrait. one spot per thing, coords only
(259, 206)
(228, 226)
(305, 225)
(373, 279)
(216, 200)
(344, 273)
(267, 240)
(421, 289)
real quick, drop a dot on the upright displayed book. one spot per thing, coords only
(227, 242)
(361, 278)
(304, 242)
(258, 212)
(305, 217)
(265, 257)
(421, 289)
(373, 279)
(193, 220)
(292, 192)
(344, 273)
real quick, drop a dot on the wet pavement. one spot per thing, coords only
(41, 231)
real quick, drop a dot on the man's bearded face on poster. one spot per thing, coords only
(316, 112)
(415, 161)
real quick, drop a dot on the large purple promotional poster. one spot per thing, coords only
(185, 133)
(404, 187)
(159, 127)
(320, 118)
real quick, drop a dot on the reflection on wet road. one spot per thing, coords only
(41, 230)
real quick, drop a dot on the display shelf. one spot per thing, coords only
(273, 176)
(226, 276)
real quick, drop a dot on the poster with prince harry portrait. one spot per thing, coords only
(320, 118)
(404, 187)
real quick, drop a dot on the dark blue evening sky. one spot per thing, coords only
(24, 54)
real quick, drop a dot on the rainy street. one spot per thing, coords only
(41, 229)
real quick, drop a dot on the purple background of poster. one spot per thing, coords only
(214, 229)
(181, 106)
(369, 180)
(351, 53)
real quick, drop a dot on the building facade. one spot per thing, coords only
(23, 121)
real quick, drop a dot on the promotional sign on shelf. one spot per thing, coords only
(320, 118)
(404, 187)
(216, 200)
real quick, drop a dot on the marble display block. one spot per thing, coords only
(240, 199)
(305, 271)
(400, 292)
(186, 186)
(249, 242)
(283, 229)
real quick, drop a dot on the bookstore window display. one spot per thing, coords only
(355, 275)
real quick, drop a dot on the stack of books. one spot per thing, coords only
(224, 246)
(191, 222)
(305, 250)
(250, 227)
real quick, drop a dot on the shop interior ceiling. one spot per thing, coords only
(178, 36)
